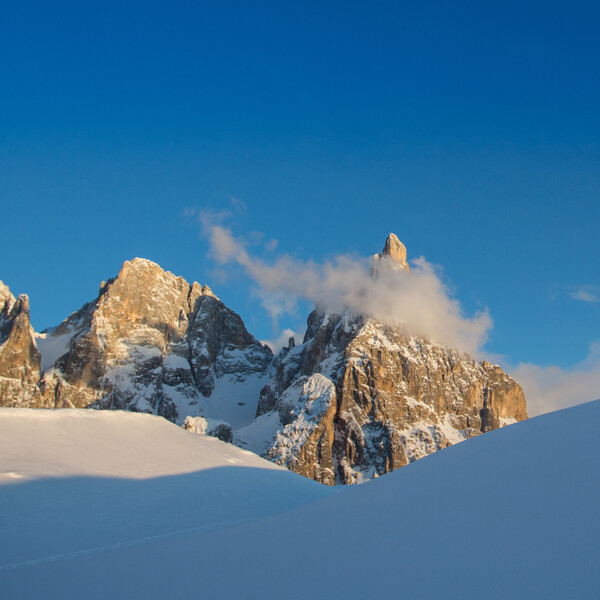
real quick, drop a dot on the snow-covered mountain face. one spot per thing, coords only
(151, 342)
(357, 399)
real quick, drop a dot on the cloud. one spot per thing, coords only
(238, 204)
(271, 245)
(586, 293)
(417, 300)
(552, 388)
(283, 339)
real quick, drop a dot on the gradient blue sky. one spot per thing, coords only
(470, 129)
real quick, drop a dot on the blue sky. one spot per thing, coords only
(470, 129)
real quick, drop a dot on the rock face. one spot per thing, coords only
(358, 399)
(392, 256)
(151, 342)
(19, 356)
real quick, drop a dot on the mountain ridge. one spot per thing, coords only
(357, 399)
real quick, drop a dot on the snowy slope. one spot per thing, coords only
(72, 480)
(511, 514)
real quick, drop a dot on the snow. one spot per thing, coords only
(417, 403)
(52, 346)
(174, 361)
(200, 425)
(234, 401)
(260, 433)
(331, 363)
(306, 401)
(449, 429)
(509, 514)
(75, 480)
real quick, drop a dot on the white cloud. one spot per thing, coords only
(552, 388)
(586, 293)
(417, 300)
(283, 339)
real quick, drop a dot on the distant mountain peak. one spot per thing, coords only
(393, 255)
(149, 342)
(395, 249)
(138, 261)
(143, 267)
(139, 274)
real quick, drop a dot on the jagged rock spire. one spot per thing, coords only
(395, 252)
(19, 357)
(395, 249)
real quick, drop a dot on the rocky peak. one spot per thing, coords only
(140, 275)
(19, 356)
(359, 398)
(149, 342)
(393, 254)
(6, 299)
(14, 318)
(202, 290)
(395, 249)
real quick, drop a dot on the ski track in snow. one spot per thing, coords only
(125, 544)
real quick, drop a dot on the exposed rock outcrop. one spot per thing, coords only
(151, 342)
(19, 356)
(358, 398)
(393, 256)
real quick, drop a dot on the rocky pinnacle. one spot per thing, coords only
(393, 252)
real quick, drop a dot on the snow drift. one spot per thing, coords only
(74, 481)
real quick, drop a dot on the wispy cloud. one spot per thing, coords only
(417, 301)
(552, 388)
(585, 293)
(189, 211)
(238, 204)
(271, 245)
(283, 339)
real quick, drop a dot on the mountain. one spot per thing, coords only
(359, 398)
(150, 342)
(510, 514)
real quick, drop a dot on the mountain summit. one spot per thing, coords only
(359, 398)
(394, 252)
(150, 342)
(395, 249)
